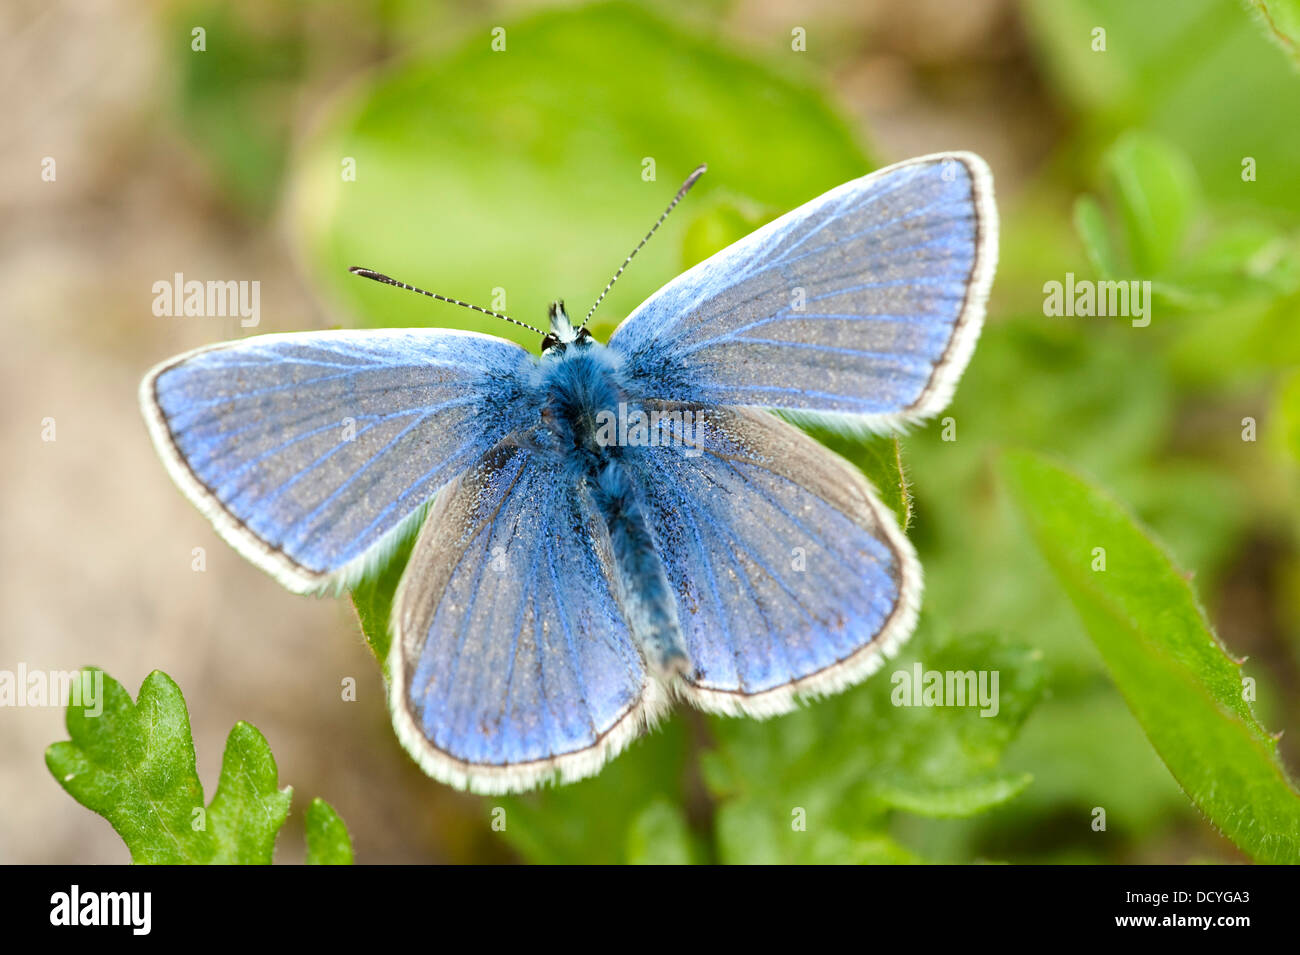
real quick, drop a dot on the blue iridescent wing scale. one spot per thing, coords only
(511, 662)
(309, 452)
(859, 309)
(791, 578)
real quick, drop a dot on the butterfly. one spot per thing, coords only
(609, 528)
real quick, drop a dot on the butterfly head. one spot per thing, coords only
(562, 332)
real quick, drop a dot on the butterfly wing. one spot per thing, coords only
(310, 451)
(791, 577)
(859, 309)
(511, 663)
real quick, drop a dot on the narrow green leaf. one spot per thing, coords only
(249, 807)
(133, 763)
(1186, 692)
(373, 596)
(328, 842)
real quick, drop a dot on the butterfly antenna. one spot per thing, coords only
(381, 277)
(686, 186)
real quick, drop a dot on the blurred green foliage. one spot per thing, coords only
(1280, 21)
(1194, 702)
(510, 178)
(524, 170)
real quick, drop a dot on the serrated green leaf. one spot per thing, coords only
(591, 821)
(944, 761)
(248, 808)
(134, 765)
(1162, 654)
(328, 842)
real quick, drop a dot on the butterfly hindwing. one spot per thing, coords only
(511, 661)
(859, 309)
(309, 451)
(790, 575)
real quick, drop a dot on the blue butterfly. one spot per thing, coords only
(611, 527)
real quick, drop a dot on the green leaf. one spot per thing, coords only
(1280, 21)
(822, 781)
(749, 834)
(328, 842)
(945, 761)
(133, 764)
(1087, 750)
(1094, 231)
(724, 222)
(1156, 192)
(1162, 654)
(659, 835)
(603, 820)
(248, 808)
(373, 596)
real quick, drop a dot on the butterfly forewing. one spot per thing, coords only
(309, 450)
(859, 308)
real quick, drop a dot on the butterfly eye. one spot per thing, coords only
(549, 342)
(584, 336)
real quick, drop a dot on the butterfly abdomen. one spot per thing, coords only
(582, 384)
(644, 592)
